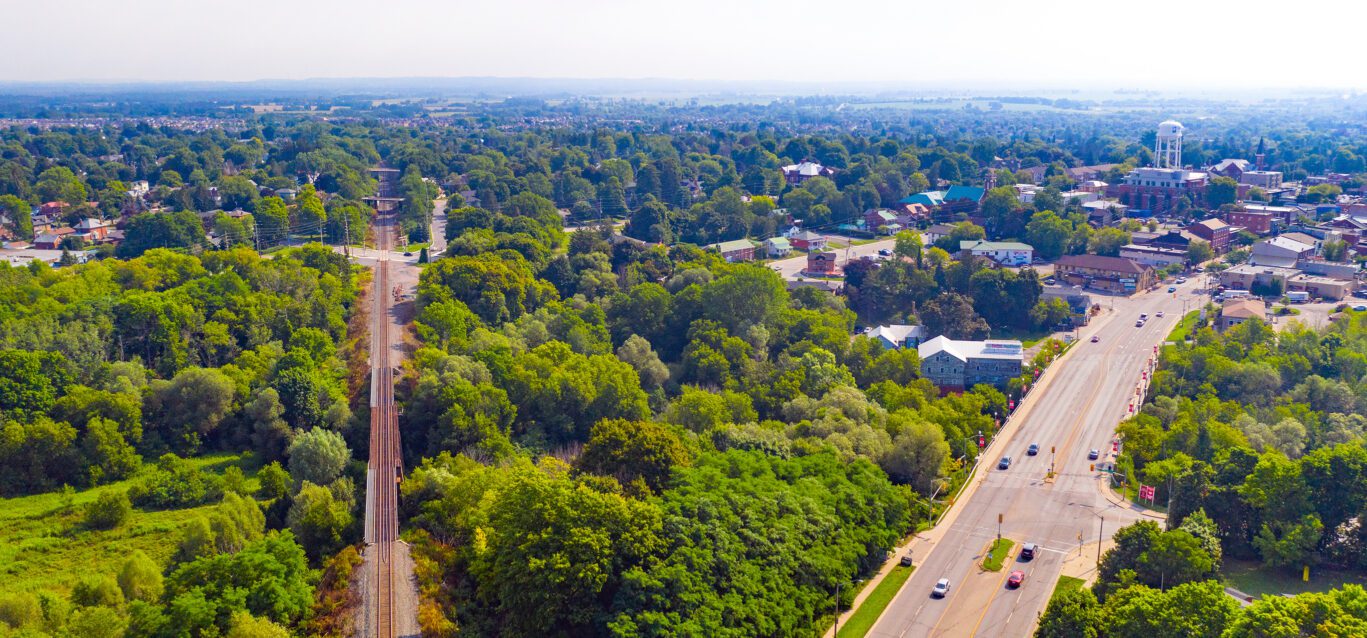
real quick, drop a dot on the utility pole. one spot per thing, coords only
(1099, 533)
(346, 230)
(836, 633)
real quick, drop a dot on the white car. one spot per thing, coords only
(1159, 313)
(941, 588)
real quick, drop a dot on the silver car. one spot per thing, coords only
(941, 588)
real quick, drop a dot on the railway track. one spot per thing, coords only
(384, 462)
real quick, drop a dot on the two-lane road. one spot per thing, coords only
(1074, 411)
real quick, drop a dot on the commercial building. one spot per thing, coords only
(1280, 251)
(1215, 232)
(1155, 256)
(955, 366)
(1278, 280)
(822, 264)
(1006, 253)
(944, 204)
(1257, 222)
(1237, 311)
(1112, 274)
(1080, 303)
(1265, 180)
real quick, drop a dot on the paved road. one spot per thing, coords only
(1074, 410)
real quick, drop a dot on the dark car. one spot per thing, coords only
(408, 254)
(1028, 551)
(906, 559)
(1033, 449)
(885, 253)
(1093, 455)
(1005, 463)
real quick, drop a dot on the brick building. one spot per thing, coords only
(1114, 274)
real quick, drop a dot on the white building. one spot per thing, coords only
(897, 336)
(1006, 253)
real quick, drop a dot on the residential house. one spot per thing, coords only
(777, 246)
(896, 336)
(1156, 256)
(93, 230)
(881, 221)
(1006, 253)
(797, 173)
(938, 231)
(735, 250)
(1104, 212)
(945, 204)
(1215, 232)
(47, 241)
(138, 188)
(911, 214)
(1237, 311)
(808, 240)
(822, 264)
(1080, 303)
(955, 366)
(1173, 239)
(1113, 274)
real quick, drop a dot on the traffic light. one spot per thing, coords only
(1091, 467)
(981, 441)
(1052, 449)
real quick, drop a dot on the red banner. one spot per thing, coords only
(1146, 492)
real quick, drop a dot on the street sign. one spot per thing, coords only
(1146, 492)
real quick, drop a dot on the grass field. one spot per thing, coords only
(1183, 330)
(1256, 579)
(1066, 583)
(863, 618)
(45, 546)
(997, 554)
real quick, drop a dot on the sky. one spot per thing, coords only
(1163, 44)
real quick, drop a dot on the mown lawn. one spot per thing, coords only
(45, 546)
(1183, 330)
(863, 618)
(997, 554)
(1065, 584)
(1255, 579)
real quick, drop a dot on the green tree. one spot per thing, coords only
(1048, 234)
(1071, 613)
(633, 451)
(59, 184)
(274, 480)
(1221, 191)
(1108, 241)
(17, 216)
(140, 578)
(1199, 252)
(181, 229)
(318, 519)
(318, 456)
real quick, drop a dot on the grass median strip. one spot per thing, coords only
(863, 618)
(997, 554)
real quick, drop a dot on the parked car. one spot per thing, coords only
(1015, 579)
(1005, 463)
(1093, 455)
(884, 253)
(1033, 449)
(1181, 280)
(1359, 308)
(941, 588)
(906, 559)
(1028, 551)
(1096, 338)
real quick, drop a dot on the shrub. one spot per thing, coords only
(111, 509)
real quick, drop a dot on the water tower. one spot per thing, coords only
(1167, 149)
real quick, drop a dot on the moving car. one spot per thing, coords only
(885, 253)
(1172, 288)
(1181, 280)
(1096, 338)
(1005, 463)
(408, 254)
(941, 588)
(1139, 323)
(1015, 579)
(1143, 316)
(1027, 551)
(1159, 313)
(1359, 308)
(1033, 449)
(1093, 455)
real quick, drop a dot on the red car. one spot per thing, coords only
(1015, 579)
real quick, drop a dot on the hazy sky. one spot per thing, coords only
(1162, 44)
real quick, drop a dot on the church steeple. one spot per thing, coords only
(1261, 155)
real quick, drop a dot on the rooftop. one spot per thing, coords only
(1098, 262)
(1244, 308)
(979, 244)
(965, 350)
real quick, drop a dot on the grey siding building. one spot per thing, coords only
(954, 366)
